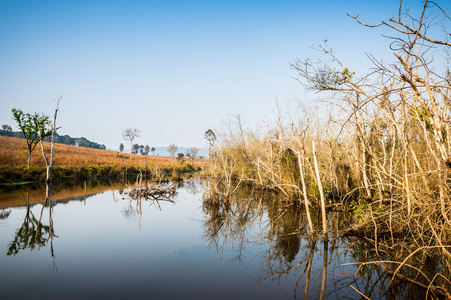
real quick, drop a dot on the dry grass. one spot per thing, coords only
(13, 154)
(382, 148)
(13, 157)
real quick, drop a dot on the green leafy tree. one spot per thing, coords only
(146, 150)
(83, 142)
(181, 157)
(210, 136)
(7, 129)
(153, 150)
(68, 140)
(28, 125)
(121, 147)
(135, 148)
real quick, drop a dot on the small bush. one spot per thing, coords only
(189, 168)
(362, 210)
(92, 170)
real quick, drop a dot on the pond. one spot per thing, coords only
(92, 241)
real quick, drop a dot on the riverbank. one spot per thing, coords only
(79, 163)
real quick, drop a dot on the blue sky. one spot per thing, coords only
(171, 69)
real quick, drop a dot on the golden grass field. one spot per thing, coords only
(13, 156)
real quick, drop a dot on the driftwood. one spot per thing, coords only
(153, 193)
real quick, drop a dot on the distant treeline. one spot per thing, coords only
(60, 139)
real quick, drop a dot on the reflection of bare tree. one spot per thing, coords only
(178, 184)
(283, 235)
(307, 270)
(131, 209)
(33, 233)
(192, 186)
(324, 273)
(51, 231)
(228, 223)
(305, 264)
(291, 251)
(284, 229)
(134, 207)
(416, 279)
(150, 194)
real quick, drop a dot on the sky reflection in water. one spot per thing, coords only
(104, 248)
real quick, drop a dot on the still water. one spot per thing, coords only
(94, 242)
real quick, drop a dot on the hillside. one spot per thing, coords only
(59, 139)
(70, 161)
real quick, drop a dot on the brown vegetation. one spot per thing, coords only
(12, 155)
(383, 147)
(73, 161)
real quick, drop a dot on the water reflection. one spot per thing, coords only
(291, 251)
(230, 223)
(4, 214)
(255, 229)
(340, 267)
(256, 218)
(14, 196)
(33, 233)
(151, 194)
(193, 186)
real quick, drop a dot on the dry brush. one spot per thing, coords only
(383, 149)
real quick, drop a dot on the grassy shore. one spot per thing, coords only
(72, 162)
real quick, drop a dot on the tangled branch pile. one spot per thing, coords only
(153, 193)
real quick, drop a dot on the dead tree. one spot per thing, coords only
(130, 134)
(192, 153)
(53, 128)
(172, 149)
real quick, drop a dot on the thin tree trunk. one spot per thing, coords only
(406, 177)
(49, 162)
(304, 191)
(321, 192)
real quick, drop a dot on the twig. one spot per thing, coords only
(360, 293)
